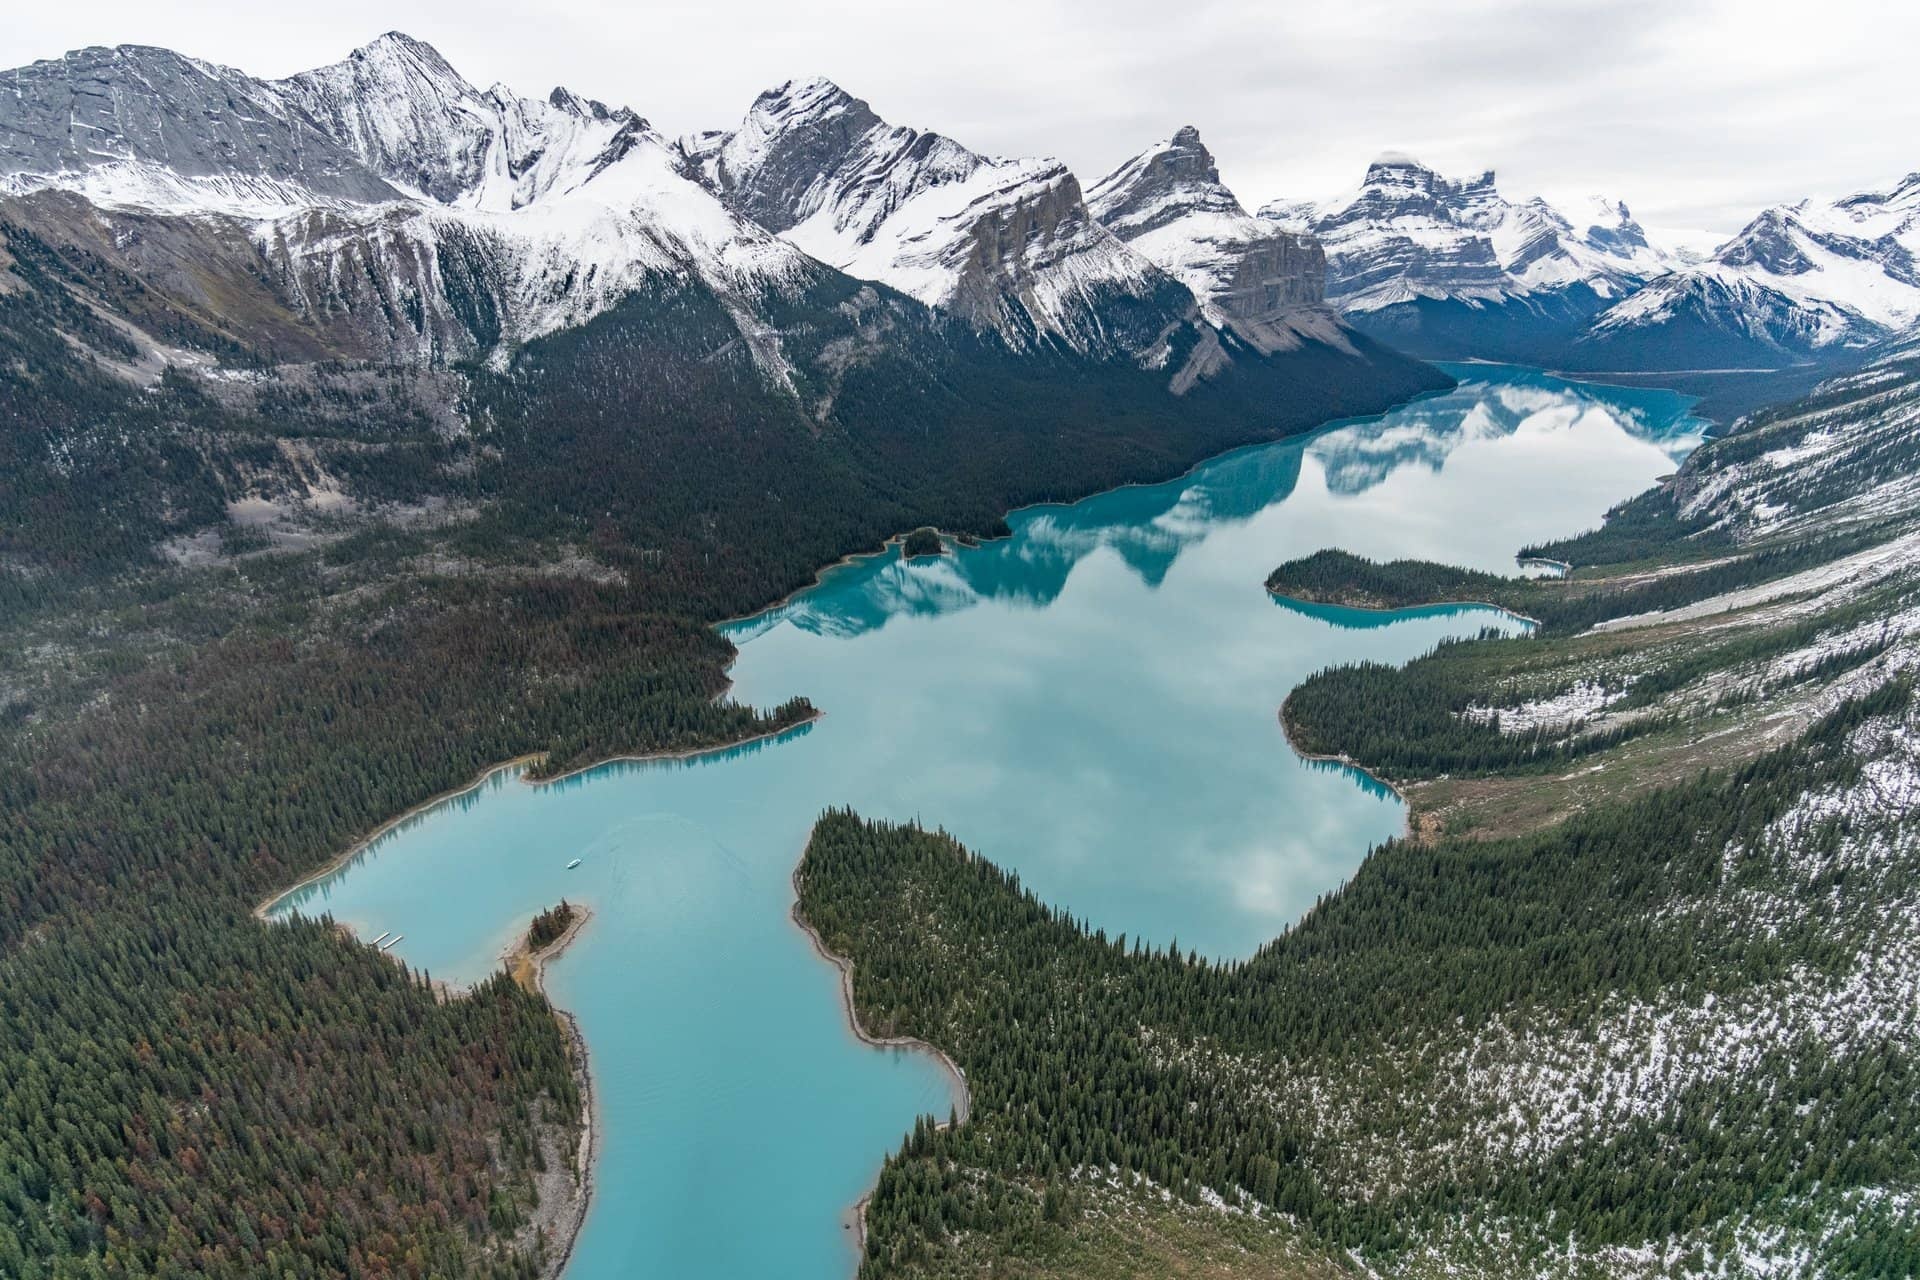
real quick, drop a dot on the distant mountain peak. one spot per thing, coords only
(1007, 244)
(1169, 180)
(1169, 204)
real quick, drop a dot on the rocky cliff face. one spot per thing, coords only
(413, 120)
(1007, 245)
(147, 125)
(381, 207)
(1169, 204)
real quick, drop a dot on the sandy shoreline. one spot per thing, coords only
(856, 1216)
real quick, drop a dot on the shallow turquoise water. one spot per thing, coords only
(1091, 702)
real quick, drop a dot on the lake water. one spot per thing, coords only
(1092, 702)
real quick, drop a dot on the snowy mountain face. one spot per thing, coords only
(148, 126)
(1804, 278)
(1169, 205)
(414, 121)
(1007, 245)
(447, 221)
(1408, 233)
(1454, 268)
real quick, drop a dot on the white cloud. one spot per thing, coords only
(1697, 112)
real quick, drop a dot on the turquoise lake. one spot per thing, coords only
(1091, 702)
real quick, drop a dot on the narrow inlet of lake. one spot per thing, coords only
(1091, 702)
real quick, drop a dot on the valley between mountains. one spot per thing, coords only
(363, 429)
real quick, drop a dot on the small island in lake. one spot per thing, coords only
(550, 925)
(923, 541)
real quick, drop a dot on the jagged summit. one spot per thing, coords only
(1409, 233)
(151, 126)
(1799, 278)
(1168, 180)
(1006, 244)
(809, 145)
(1169, 204)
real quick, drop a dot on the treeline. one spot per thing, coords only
(1413, 721)
(139, 832)
(1083, 1051)
(716, 493)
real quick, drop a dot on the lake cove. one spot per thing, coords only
(1091, 702)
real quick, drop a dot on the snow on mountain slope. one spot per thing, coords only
(1408, 233)
(416, 122)
(462, 222)
(1799, 278)
(141, 125)
(1169, 204)
(1006, 244)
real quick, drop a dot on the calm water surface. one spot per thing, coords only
(1091, 702)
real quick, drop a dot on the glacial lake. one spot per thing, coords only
(1091, 702)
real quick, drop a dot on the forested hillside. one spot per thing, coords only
(1637, 998)
(254, 609)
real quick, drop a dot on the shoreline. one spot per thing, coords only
(1409, 828)
(588, 1150)
(1302, 437)
(856, 1215)
(360, 846)
(521, 959)
(1405, 608)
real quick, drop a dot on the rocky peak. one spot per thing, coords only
(1007, 245)
(405, 111)
(808, 145)
(1398, 186)
(1902, 197)
(115, 120)
(1167, 181)
(1768, 243)
(1169, 204)
(1611, 228)
(567, 102)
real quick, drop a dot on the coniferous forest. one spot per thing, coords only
(189, 727)
(196, 712)
(1164, 1066)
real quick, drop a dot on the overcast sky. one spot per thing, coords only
(1696, 112)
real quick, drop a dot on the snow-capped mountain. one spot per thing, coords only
(1408, 233)
(386, 196)
(1169, 204)
(1006, 244)
(1451, 267)
(1807, 279)
(148, 126)
(384, 208)
(412, 119)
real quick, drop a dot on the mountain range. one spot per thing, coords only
(1450, 268)
(888, 305)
